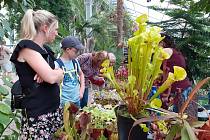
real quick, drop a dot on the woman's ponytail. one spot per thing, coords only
(28, 30)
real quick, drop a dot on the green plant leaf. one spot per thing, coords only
(184, 134)
(1, 128)
(7, 81)
(190, 132)
(17, 122)
(3, 91)
(5, 109)
(173, 131)
(4, 119)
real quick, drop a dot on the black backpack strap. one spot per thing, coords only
(76, 67)
(61, 64)
(75, 64)
(50, 52)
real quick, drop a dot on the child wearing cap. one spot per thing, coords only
(73, 85)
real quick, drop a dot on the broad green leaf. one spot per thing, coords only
(173, 131)
(7, 81)
(184, 134)
(3, 90)
(17, 123)
(5, 108)
(1, 128)
(4, 119)
(190, 132)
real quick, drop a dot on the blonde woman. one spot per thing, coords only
(41, 115)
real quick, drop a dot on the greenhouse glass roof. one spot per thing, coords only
(137, 7)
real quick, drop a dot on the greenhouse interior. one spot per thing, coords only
(105, 70)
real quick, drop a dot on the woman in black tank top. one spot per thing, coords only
(39, 80)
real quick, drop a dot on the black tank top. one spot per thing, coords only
(40, 98)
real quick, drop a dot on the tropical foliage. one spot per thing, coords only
(9, 121)
(72, 21)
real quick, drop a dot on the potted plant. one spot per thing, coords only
(103, 120)
(91, 123)
(76, 126)
(145, 57)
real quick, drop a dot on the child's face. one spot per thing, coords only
(72, 52)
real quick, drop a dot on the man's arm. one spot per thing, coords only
(82, 83)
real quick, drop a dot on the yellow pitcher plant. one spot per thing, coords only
(145, 57)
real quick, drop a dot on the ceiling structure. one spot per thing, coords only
(138, 7)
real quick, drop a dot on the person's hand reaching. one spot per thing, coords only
(99, 81)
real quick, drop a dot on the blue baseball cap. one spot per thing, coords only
(71, 42)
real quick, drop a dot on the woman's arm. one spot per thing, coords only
(40, 66)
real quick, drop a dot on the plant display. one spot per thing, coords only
(178, 125)
(145, 57)
(87, 124)
(105, 97)
(72, 124)
(102, 117)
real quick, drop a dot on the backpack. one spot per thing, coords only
(62, 66)
(16, 96)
